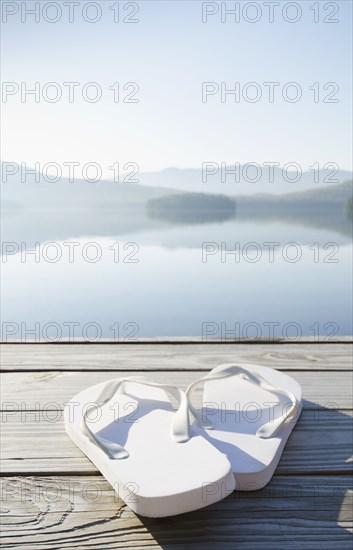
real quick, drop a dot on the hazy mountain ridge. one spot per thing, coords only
(329, 208)
(191, 180)
(82, 193)
(333, 194)
(38, 212)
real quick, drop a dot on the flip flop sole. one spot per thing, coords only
(237, 409)
(160, 477)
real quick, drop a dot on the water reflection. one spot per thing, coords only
(173, 289)
(192, 218)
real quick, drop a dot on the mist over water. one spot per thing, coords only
(213, 268)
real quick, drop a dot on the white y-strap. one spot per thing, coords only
(269, 429)
(180, 426)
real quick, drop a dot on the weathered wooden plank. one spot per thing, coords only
(173, 356)
(35, 442)
(315, 517)
(37, 389)
(84, 512)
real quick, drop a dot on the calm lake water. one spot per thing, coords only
(170, 283)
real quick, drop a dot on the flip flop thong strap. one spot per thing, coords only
(180, 426)
(267, 430)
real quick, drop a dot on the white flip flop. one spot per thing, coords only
(147, 451)
(248, 413)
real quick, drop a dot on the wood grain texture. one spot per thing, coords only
(84, 513)
(38, 389)
(60, 502)
(34, 442)
(173, 356)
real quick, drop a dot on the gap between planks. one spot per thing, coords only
(162, 357)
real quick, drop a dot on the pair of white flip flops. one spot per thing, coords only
(163, 461)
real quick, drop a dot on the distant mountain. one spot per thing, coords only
(191, 180)
(80, 195)
(325, 208)
(326, 198)
(49, 211)
(38, 212)
(332, 194)
(329, 208)
(155, 184)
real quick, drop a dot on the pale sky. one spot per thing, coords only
(169, 53)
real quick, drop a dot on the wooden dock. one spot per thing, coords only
(52, 497)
